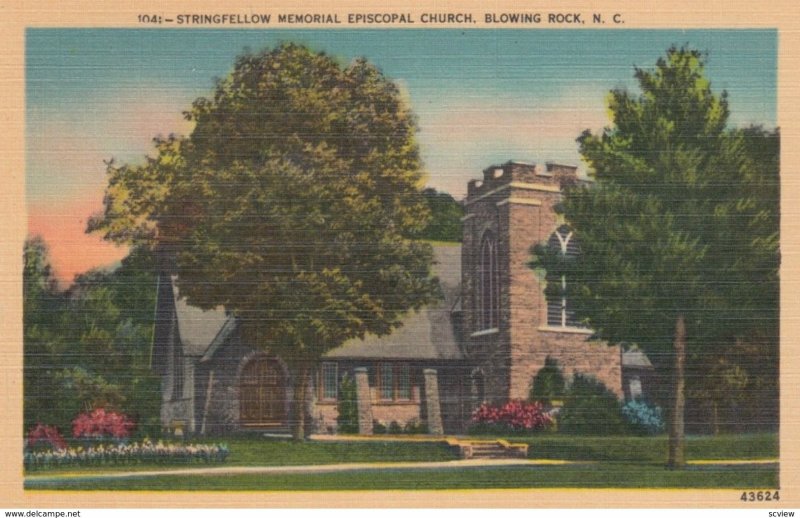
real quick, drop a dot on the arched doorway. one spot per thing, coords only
(262, 393)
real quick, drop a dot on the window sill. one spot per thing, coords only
(568, 330)
(395, 402)
(485, 332)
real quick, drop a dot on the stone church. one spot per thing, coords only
(483, 342)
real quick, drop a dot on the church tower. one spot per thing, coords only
(509, 327)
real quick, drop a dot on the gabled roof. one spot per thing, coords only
(427, 334)
(198, 329)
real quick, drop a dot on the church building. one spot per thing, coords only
(484, 341)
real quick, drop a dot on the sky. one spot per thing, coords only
(482, 97)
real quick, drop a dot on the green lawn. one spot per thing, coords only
(650, 449)
(249, 452)
(601, 475)
(280, 452)
(602, 462)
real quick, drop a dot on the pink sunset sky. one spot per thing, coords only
(481, 97)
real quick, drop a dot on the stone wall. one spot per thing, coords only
(380, 410)
(403, 412)
(176, 414)
(574, 354)
(217, 399)
(487, 348)
(325, 415)
(220, 414)
(516, 202)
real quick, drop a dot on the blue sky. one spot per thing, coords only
(482, 96)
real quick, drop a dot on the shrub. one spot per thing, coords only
(416, 426)
(347, 406)
(378, 427)
(515, 416)
(549, 383)
(643, 419)
(395, 428)
(44, 436)
(100, 424)
(590, 409)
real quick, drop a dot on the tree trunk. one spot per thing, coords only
(715, 417)
(299, 406)
(677, 439)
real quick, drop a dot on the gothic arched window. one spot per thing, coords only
(559, 310)
(488, 283)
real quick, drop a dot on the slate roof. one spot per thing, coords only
(198, 329)
(426, 334)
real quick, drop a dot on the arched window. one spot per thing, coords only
(559, 310)
(488, 283)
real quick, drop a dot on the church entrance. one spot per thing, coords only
(262, 392)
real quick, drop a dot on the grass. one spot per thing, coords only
(602, 475)
(248, 452)
(624, 462)
(649, 449)
(284, 452)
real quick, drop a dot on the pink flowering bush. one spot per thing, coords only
(45, 436)
(101, 424)
(516, 416)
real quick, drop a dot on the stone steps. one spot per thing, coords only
(497, 449)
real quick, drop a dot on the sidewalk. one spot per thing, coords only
(317, 468)
(345, 467)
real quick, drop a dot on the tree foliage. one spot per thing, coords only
(679, 230)
(446, 214)
(87, 347)
(293, 204)
(549, 382)
(347, 406)
(44, 344)
(590, 408)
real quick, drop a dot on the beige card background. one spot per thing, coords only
(15, 16)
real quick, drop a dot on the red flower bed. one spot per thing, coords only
(100, 423)
(44, 435)
(514, 416)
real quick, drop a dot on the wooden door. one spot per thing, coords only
(263, 394)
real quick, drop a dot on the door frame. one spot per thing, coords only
(281, 387)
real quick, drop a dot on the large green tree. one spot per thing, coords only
(679, 230)
(88, 346)
(44, 345)
(293, 204)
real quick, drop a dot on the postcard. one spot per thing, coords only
(457, 255)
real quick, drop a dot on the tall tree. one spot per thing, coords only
(88, 346)
(292, 204)
(446, 214)
(43, 343)
(678, 233)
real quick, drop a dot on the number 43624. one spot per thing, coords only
(760, 496)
